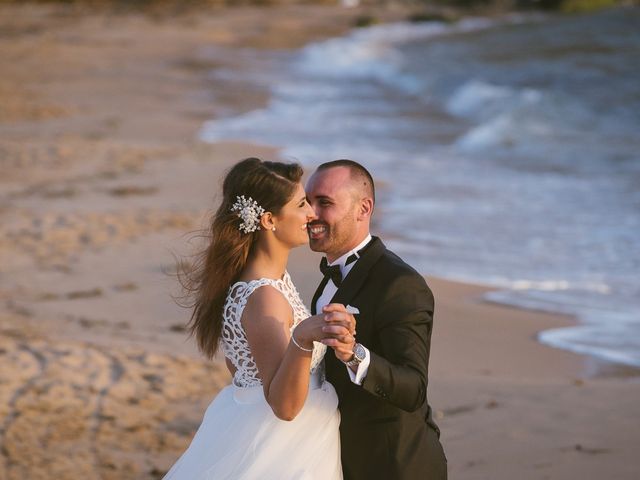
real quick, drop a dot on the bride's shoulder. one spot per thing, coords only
(267, 304)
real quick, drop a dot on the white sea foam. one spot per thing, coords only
(610, 334)
(372, 53)
(506, 115)
(557, 285)
(607, 344)
(499, 131)
(475, 96)
(481, 99)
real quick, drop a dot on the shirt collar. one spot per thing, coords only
(343, 259)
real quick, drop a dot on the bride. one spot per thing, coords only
(279, 417)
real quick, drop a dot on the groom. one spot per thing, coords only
(386, 429)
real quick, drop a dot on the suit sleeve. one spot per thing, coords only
(399, 364)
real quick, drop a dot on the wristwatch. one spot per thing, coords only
(359, 354)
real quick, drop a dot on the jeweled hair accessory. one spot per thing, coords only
(249, 211)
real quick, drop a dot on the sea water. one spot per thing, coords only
(506, 152)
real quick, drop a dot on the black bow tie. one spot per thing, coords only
(333, 271)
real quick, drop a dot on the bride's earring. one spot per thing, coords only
(273, 229)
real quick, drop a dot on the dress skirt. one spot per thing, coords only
(240, 438)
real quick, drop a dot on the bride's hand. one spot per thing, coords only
(312, 329)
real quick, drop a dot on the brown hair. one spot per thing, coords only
(358, 173)
(219, 265)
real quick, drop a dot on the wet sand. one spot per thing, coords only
(102, 181)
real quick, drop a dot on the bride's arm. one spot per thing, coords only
(284, 368)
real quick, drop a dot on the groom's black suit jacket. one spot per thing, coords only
(386, 428)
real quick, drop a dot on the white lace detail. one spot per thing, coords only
(234, 340)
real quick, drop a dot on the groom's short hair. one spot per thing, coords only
(358, 173)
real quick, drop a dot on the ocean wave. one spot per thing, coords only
(372, 53)
(601, 341)
(557, 285)
(478, 99)
(612, 335)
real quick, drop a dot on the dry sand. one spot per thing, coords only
(101, 178)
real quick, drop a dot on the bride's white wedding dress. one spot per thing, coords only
(240, 437)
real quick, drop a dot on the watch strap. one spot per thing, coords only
(356, 360)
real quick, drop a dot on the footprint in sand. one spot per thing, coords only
(73, 410)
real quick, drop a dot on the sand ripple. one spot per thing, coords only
(55, 239)
(76, 410)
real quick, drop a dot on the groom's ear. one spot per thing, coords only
(365, 210)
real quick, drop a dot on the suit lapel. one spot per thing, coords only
(358, 274)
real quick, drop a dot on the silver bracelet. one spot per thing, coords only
(293, 339)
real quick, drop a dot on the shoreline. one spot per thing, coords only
(593, 365)
(104, 120)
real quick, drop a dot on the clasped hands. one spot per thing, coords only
(335, 327)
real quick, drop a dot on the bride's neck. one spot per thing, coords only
(266, 262)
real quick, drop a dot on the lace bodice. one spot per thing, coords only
(234, 340)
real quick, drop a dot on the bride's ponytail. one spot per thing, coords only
(219, 265)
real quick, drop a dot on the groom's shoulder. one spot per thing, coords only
(395, 278)
(393, 266)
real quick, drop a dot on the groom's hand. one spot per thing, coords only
(337, 314)
(340, 328)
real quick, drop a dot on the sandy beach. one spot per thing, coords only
(103, 182)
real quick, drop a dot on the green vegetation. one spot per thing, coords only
(365, 21)
(566, 6)
(418, 17)
(572, 6)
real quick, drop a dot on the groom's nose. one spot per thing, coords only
(311, 213)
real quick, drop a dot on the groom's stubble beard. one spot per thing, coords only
(338, 236)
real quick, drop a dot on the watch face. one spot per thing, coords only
(359, 352)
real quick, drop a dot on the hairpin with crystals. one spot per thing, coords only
(249, 211)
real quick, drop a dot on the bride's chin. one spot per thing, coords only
(303, 242)
(300, 242)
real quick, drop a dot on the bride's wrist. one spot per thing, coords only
(305, 346)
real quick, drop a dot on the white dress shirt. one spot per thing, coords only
(330, 290)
